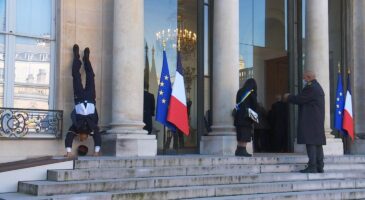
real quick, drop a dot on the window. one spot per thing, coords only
(262, 37)
(27, 46)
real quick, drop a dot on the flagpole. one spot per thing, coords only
(164, 127)
(164, 140)
(339, 72)
(339, 67)
(177, 131)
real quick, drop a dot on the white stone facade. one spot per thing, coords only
(117, 55)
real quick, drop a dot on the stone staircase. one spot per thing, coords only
(199, 177)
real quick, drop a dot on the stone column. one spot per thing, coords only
(317, 60)
(357, 47)
(127, 138)
(222, 140)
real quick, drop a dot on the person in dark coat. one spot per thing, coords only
(311, 121)
(243, 124)
(148, 109)
(208, 121)
(84, 115)
(261, 130)
(278, 118)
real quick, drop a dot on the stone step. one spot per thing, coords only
(80, 196)
(73, 187)
(118, 173)
(199, 160)
(335, 194)
(329, 167)
(307, 195)
(238, 189)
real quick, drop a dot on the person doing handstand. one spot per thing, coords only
(84, 115)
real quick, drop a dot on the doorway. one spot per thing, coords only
(276, 78)
(168, 22)
(271, 134)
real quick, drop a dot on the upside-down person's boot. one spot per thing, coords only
(86, 57)
(76, 51)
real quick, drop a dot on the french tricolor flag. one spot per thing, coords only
(178, 112)
(348, 122)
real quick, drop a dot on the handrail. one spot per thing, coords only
(31, 162)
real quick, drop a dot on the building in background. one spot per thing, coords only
(269, 40)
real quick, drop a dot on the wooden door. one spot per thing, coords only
(276, 78)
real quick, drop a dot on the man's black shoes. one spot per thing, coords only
(76, 51)
(320, 170)
(312, 169)
(86, 54)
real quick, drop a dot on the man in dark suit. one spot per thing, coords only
(148, 109)
(278, 118)
(84, 115)
(311, 121)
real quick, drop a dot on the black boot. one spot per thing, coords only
(86, 54)
(320, 158)
(309, 169)
(238, 151)
(320, 168)
(241, 151)
(76, 51)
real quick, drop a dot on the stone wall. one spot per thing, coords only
(88, 23)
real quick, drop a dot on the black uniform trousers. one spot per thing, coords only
(81, 95)
(315, 155)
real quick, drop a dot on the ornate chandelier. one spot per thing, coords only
(179, 37)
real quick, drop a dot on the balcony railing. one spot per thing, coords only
(30, 123)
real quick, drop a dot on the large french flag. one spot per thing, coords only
(348, 122)
(178, 112)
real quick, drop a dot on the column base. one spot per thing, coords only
(299, 148)
(127, 145)
(224, 145)
(358, 147)
(334, 146)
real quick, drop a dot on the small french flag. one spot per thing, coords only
(348, 122)
(178, 112)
